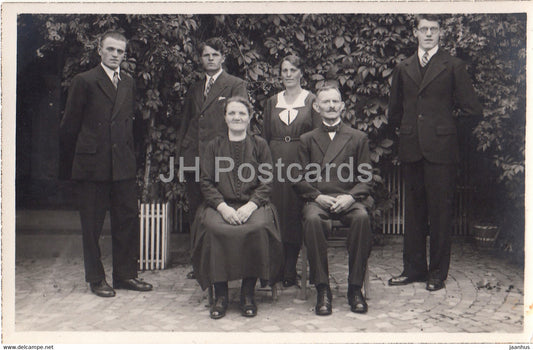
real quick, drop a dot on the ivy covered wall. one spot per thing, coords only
(358, 50)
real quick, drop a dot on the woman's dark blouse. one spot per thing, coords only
(229, 188)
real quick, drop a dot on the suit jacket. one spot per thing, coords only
(229, 188)
(96, 132)
(203, 119)
(316, 147)
(422, 107)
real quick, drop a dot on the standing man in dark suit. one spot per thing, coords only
(425, 89)
(340, 156)
(203, 117)
(97, 127)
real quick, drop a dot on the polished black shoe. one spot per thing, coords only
(402, 280)
(248, 307)
(323, 300)
(191, 275)
(434, 284)
(218, 309)
(132, 284)
(357, 301)
(102, 289)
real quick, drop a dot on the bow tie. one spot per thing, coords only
(328, 128)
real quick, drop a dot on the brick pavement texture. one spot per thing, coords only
(483, 294)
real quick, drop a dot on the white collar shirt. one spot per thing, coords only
(110, 72)
(214, 76)
(333, 133)
(289, 112)
(431, 53)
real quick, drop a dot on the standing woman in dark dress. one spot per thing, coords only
(236, 233)
(288, 115)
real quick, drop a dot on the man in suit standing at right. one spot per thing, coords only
(425, 90)
(203, 117)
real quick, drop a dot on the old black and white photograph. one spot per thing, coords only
(264, 172)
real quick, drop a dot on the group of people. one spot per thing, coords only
(247, 225)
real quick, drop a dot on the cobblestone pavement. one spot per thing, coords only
(483, 294)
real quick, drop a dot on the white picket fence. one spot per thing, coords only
(154, 236)
(393, 223)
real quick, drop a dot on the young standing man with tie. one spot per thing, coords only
(203, 117)
(97, 147)
(426, 88)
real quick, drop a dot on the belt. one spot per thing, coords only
(286, 139)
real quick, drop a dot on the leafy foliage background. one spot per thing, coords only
(358, 50)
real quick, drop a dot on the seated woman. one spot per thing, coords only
(236, 234)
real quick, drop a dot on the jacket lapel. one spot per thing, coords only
(105, 83)
(216, 90)
(336, 145)
(322, 139)
(436, 66)
(413, 70)
(121, 93)
(198, 93)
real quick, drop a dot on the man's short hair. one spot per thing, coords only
(427, 17)
(115, 34)
(214, 43)
(328, 85)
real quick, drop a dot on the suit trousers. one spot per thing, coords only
(317, 226)
(194, 197)
(194, 194)
(429, 197)
(121, 199)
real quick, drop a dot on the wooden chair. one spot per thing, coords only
(334, 240)
(273, 290)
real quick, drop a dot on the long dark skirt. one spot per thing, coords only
(284, 198)
(224, 252)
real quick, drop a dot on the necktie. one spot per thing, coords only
(329, 128)
(115, 79)
(425, 59)
(209, 86)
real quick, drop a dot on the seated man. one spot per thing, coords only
(336, 176)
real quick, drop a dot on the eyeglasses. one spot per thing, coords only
(432, 30)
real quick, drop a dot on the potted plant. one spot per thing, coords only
(485, 220)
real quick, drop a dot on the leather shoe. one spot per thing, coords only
(102, 289)
(402, 280)
(191, 275)
(132, 284)
(248, 307)
(218, 309)
(323, 300)
(434, 284)
(357, 302)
